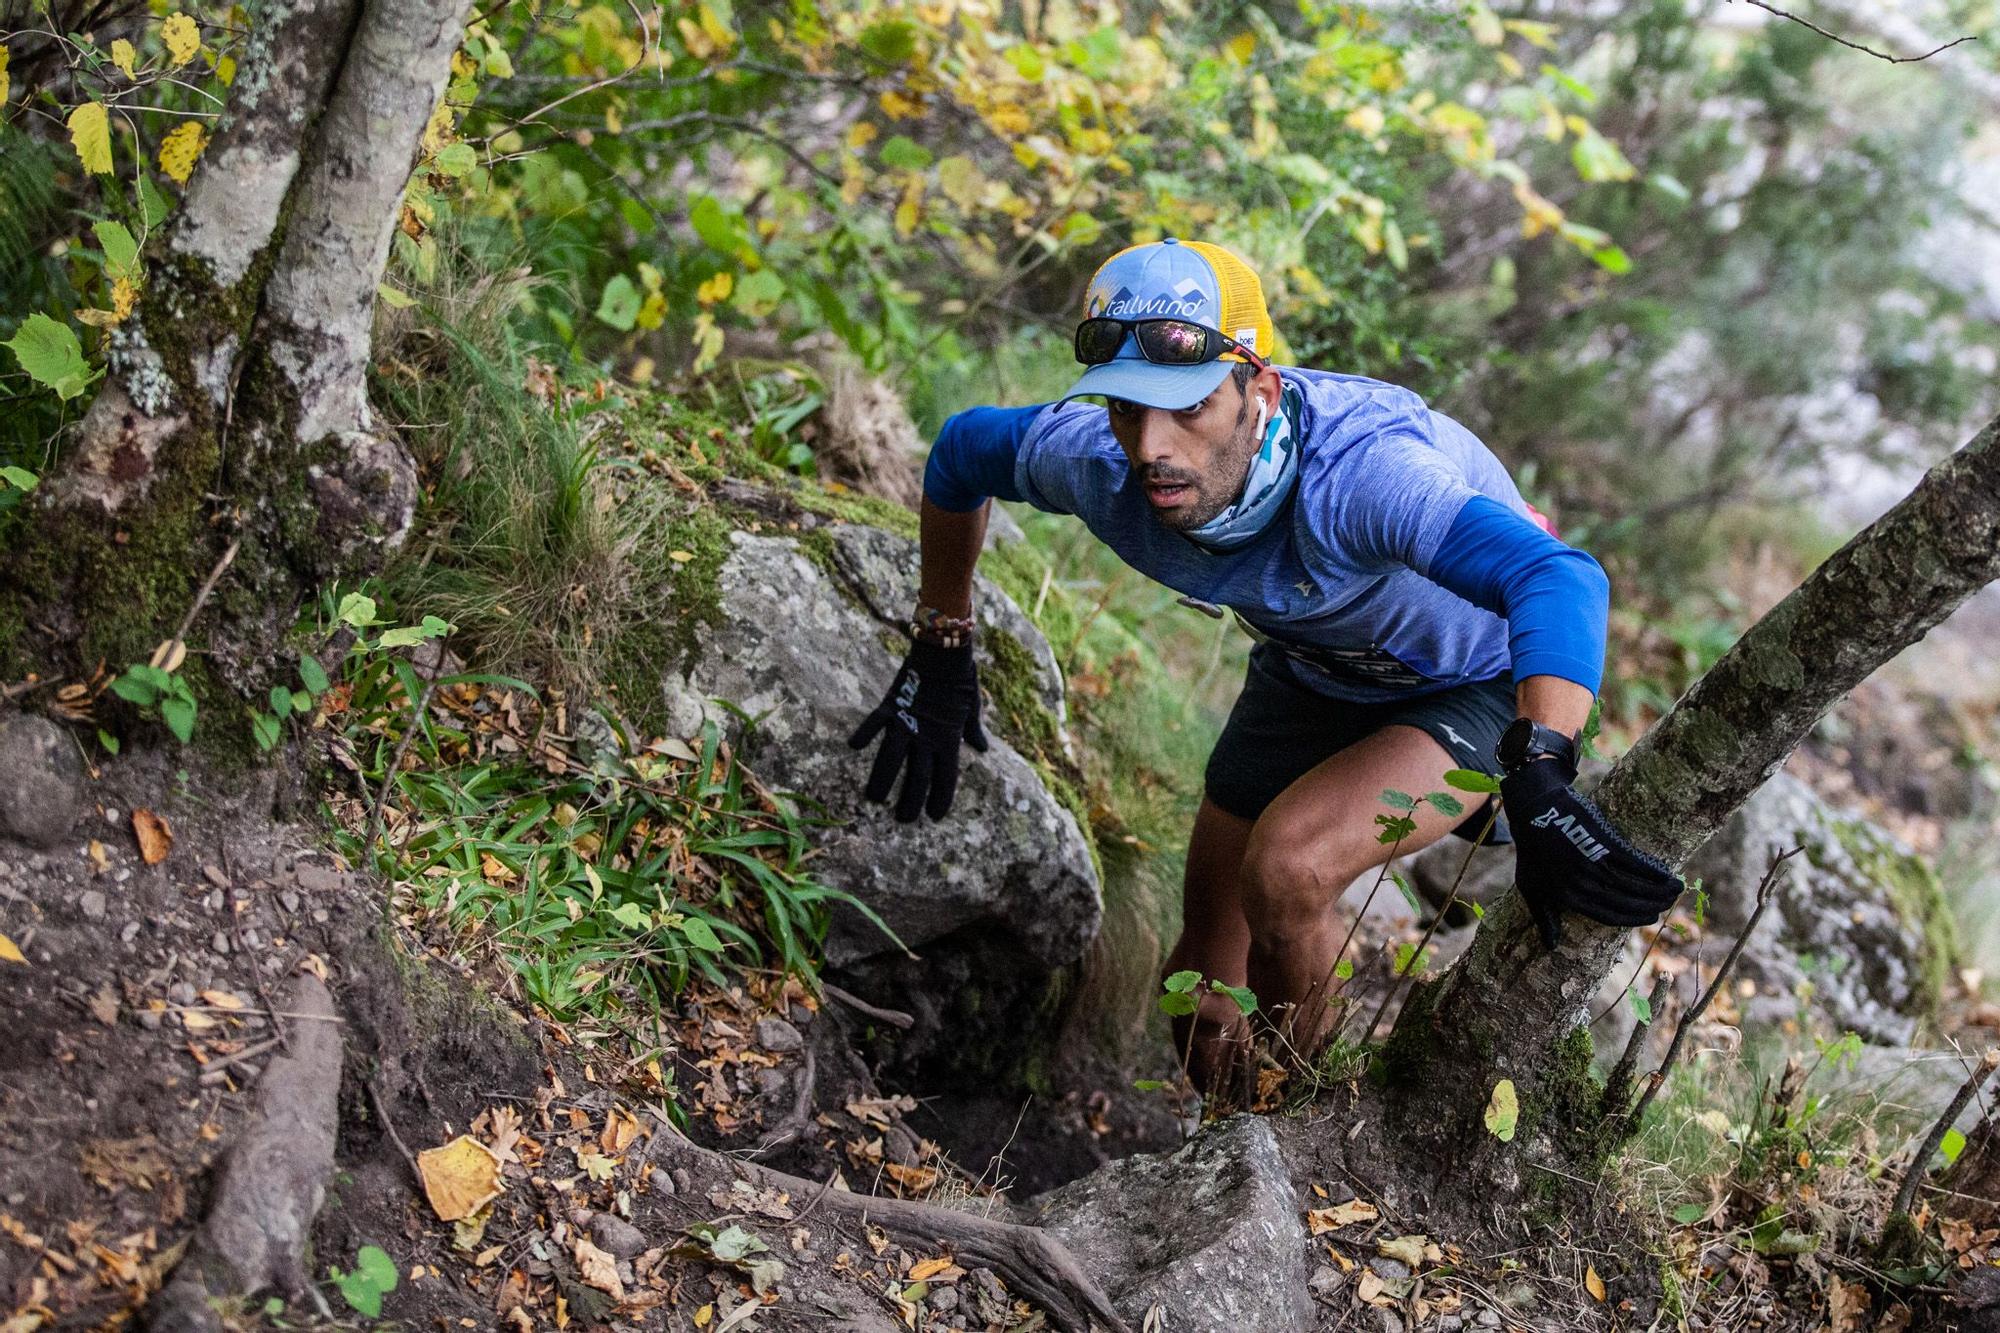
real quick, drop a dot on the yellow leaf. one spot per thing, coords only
(703, 1315)
(3, 73)
(598, 1269)
(221, 999)
(1593, 1284)
(123, 297)
(179, 149)
(1322, 1220)
(716, 288)
(898, 107)
(183, 39)
(225, 71)
(123, 56)
(861, 134)
(90, 132)
(1241, 47)
(10, 953)
(680, 557)
(1503, 1111)
(156, 839)
(654, 312)
(460, 1178)
(1367, 120)
(929, 1268)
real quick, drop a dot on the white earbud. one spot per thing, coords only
(1262, 412)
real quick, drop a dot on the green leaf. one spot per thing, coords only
(718, 230)
(281, 701)
(1148, 1084)
(701, 935)
(1642, 1007)
(51, 355)
(178, 714)
(313, 675)
(619, 304)
(1407, 958)
(1503, 1111)
(1176, 1005)
(891, 41)
(631, 916)
(356, 609)
(1246, 1000)
(1182, 982)
(733, 1243)
(133, 690)
(121, 252)
(1471, 779)
(1445, 804)
(107, 740)
(266, 729)
(759, 293)
(153, 206)
(1398, 800)
(19, 478)
(1951, 1145)
(394, 297)
(455, 160)
(1612, 259)
(1344, 969)
(374, 1275)
(408, 636)
(905, 154)
(301, 702)
(1689, 1212)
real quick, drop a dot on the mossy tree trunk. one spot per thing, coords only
(1508, 1009)
(234, 406)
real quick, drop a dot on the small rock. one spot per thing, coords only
(252, 939)
(181, 992)
(1325, 1281)
(289, 900)
(1487, 1319)
(943, 1299)
(662, 1182)
(319, 916)
(128, 932)
(683, 1182)
(148, 1019)
(319, 880)
(213, 902)
(41, 780)
(219, 941)
(900, 1146)
(775, 1034)
(1450, 1323)
(91, 903)
(617, 1236)
(215, 875)
(771, 1083)
(1392, 1270)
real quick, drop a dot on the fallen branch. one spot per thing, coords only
(1034, 1263)
(1618, 1088)
(1921, 1162)
(1857, 46)
(271, 1182)
(1766, 895)
(895, 1018)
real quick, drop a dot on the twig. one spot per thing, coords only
(396, 766)
(1618, 1088)
(1766, 895)
(219, 1068)
(895, 1018)
(1396, 984)
(1857, 46)
(201, 595)
(1973, 1082)
(382, 1114)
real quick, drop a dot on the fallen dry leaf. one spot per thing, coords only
(10, 952)
(620, 1128)
(598, 1269)
(98, 856)
(1322, 1220)
(104, 1007)
(156, 839)
(1593, 1284)
(460, 1178)
(1369, 1289)
(1407, 1249)
(222, 999)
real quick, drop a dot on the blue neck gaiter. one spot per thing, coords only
(1274, 473)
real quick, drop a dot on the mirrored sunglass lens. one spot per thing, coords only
(1097, 340)
(1173, 342)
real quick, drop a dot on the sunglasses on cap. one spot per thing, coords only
(1165, 342)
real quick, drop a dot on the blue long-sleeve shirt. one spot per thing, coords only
(1406, 562)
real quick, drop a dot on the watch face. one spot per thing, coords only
(1513, 747)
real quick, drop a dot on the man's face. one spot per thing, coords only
(1193, 462)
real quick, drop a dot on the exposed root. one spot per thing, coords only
(1035, 1264)
(272, 1181)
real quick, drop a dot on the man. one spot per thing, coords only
(1410, 618)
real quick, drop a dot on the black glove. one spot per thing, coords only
(1568, 857)
(931, 706)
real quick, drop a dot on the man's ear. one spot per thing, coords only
(1268, 388)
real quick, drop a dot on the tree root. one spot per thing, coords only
(271, 1183)
(1034, 1263)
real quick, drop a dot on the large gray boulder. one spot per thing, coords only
(1860, 931)
(41, 780)
(808, 652)
(1212, 1234)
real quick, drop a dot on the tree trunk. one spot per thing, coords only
(1507, 1009)
(234, 404)
(1972, 1185)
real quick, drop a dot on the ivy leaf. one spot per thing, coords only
(759, 293)
(312, 675)
(1471, 779)
(90, 133)
(1246, 999)
(408, 636)
(178, 714)
(1180, 983)
(1398, 800)
(455, 160)
(619, 305)
(356, 609)
(1503, 1111)
(51, 355)
(1176, 1005)
(266, 729)
(1689, 1212)
(630, 915)
(1445, 804)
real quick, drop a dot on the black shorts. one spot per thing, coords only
(1280, 729)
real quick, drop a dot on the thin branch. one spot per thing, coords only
(1973, 1082)
(1766, 895)
(1857, 46)
(201, 596)
(1618, 1088)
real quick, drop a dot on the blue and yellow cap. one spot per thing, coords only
(1174, 279)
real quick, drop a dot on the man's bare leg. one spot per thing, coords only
(1307, 847)
(1215, 940)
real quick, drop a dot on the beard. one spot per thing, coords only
(1214, 490)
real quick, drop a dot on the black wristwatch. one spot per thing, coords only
(1527, 740)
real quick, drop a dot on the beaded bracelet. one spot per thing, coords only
(935, 627)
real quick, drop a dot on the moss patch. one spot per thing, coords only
(1913, 888)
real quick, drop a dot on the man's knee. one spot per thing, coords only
(1289, 885)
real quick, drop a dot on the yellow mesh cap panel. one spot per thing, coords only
(1244, 315)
